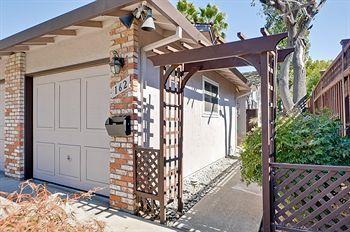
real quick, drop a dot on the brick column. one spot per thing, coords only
(122, 196)
(14, 115)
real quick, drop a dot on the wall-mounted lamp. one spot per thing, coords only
(117, 63)
(148, 23)
(144, 13)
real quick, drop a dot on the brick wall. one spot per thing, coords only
(14, 115)
(125, 41)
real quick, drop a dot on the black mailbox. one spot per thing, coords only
(118, 126)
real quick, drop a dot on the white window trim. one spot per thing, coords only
(205, 113)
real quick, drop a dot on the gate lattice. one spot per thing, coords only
(311, 197)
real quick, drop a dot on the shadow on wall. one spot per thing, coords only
(147, 121)
(228, 128)
(192, 94)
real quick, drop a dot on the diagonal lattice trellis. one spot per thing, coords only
(147, 176)
(311, 198)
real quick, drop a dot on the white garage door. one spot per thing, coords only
(2, 123)
(71, 146)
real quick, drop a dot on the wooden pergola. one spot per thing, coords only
(176, 69)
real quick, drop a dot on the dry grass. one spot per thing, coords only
(34, 208)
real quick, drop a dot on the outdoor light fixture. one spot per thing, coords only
(142, 12)
(148, 24)
(117, 63)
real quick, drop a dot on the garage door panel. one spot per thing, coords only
(69, 104)
(97, 159)
(69, 161)
(46, 105)
(96, 96)
(45, 161)
(81, 144)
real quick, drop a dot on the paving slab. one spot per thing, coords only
(97, 208)
(231, 206)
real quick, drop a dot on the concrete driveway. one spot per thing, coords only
(229, 207)
(96, 208)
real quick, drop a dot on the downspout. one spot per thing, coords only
(143, 67)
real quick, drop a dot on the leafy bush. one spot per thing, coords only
(302, 139)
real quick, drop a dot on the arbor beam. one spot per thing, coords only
(227, 50)
(233, 61)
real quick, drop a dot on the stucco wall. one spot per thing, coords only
(241, 118)
(87, 46)
(206, 138)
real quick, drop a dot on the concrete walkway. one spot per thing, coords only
(97, 208)
(229, 207)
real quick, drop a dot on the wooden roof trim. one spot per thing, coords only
(76, 16)
(157, 51)
(42, 40)
(187, 46)
(90, 23)
(16, 49)
(174, 16)
(65, 32)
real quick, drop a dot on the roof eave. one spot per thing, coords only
(76, 16)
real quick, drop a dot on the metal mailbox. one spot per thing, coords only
(118, 126)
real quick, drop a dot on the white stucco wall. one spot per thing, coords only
(206, 138)
(241, 118)
(88, 46)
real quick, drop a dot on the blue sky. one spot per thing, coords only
(331, 25)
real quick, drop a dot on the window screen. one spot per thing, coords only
(211, 98)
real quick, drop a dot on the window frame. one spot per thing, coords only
(210, 81)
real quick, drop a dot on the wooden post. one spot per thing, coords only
(265, 118)
(161, 145)
(343, 107)
(181, 128)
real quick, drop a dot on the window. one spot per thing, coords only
(210, 96)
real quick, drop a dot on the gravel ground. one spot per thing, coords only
(197, 185)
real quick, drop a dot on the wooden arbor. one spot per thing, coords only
(175, 71)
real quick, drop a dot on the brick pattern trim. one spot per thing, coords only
(125, 42)
(14, 115)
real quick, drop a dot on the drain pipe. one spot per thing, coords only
(143, 67)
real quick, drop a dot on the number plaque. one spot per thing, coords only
(122, 86)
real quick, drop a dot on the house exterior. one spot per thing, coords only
(57, 90)
(249, 106)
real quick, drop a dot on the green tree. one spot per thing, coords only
(209, 15)
(313, 72)
(295, 17)
(188, 10)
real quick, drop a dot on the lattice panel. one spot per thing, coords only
(172, 133)
(147, 171)
(311, 198)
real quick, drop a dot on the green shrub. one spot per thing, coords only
(302, 139)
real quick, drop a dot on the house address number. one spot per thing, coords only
(122, 86)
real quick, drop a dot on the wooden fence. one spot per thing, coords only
(333, 90)
(311, 197)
